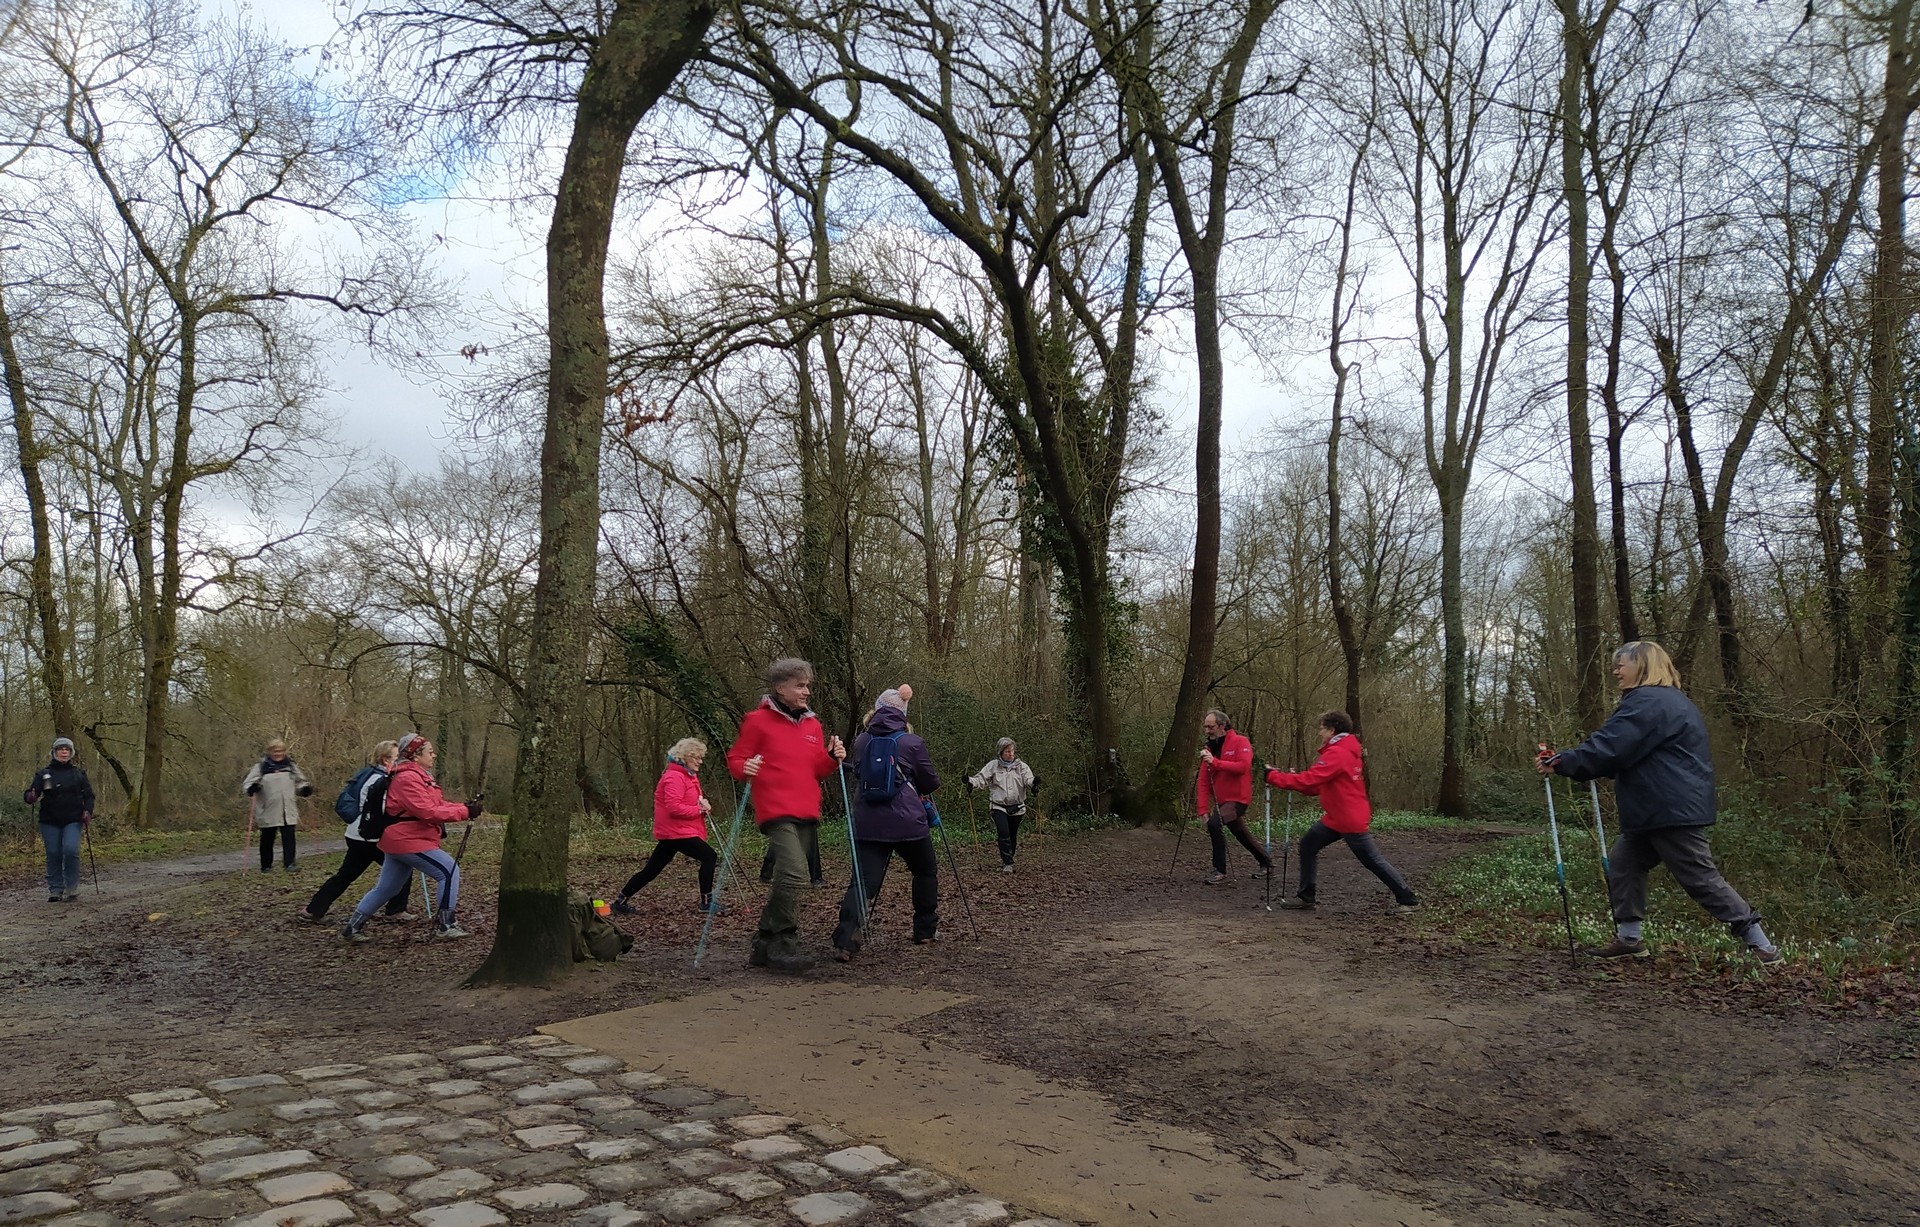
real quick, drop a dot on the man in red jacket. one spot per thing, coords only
(1224, 790)
(1336, 779)
(785, 752)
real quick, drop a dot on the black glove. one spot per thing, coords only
(969, 784)
(473, 809)
(252, 789)
(1035, 788)
(306, 791)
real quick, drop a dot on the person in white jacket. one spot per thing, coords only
(1008, 782)
(273, 789)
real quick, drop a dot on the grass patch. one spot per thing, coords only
(1846, 950)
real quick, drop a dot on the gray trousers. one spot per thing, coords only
(1684, 851)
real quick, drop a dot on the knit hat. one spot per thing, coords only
(890, 698)
(1004, 743)
(59, 742)
(411, 744)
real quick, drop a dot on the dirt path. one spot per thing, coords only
(1482, 1085)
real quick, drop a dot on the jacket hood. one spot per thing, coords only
(887, 721)
(774, 705)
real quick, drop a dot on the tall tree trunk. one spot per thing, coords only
(46, 607)
(1585, 542)
(644, 46)
(1889, 309)
(1351, 651)
(1905, 823)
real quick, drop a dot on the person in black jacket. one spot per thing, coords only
(66, 807)
(1654, 747)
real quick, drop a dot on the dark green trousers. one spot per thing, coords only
(787, 841)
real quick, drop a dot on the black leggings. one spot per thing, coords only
(811, 832)
(1320, 835)
(873, 857)
(693, 848)
(360, 854)
(1006, 829)
(1228, 814)
(266, 846)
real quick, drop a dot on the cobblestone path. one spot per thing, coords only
(534, 1130)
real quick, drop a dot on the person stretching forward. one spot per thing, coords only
(1336, 779)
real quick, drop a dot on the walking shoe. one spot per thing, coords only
(351, 932)
(1214, 878)
(55, 898)
(1769, 956)
(842, 956)
(1264, 871)
(713, 906)
(451, 931)
(1006, 869)
(306, 918)
(402, 918)
(928, 940)
(1621, 948)
(790, 962)
(72, 898)
(266, 869)
(758, 958)
(291, 868)
(1297, 903)
(623, 908)
(1404, 909)
(818, 884)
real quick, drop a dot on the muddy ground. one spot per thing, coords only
(1493, 1085)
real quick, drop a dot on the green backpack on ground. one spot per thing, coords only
(594, 936)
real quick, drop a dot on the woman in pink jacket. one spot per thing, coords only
(680, 812)
(416, 813)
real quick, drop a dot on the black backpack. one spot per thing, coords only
(374, 818)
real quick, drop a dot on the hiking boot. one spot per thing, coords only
(1213, 879)
(622, 908)
(713, 906)
(790, 963)
(55, 898)
(451, 931)
(758, 958)
(1621, 948)
(351, 932)
(1297, 903)
(1769, 956)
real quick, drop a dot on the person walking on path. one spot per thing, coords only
(1008, 781)
(1337, 778)
(351, 805)
(274, 787)
(416, 813)
(1654, 748)
(893, 777)
(783, 751)
(66, 807)
(1223, 791)
(680, 812)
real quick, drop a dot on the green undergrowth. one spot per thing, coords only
(1847, 949)
(23, 855)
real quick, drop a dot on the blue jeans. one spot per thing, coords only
(398, 870)
(63, 857)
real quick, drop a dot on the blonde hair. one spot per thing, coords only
(680, 750)
(383, 751)
(1648, 664)
(276, 744)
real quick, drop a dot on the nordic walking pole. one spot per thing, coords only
(726, 862)
(91, 859)
(853, 850)
(1559, 863)
(1266, 892)
(1286, 841)
(1176, 847)
(973, 832)
(954, 865)
(1599, 828)
(714, 833)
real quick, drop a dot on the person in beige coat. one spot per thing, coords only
(273, 789)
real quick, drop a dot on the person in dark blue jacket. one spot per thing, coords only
(1654, 747)
(892, 777)
(66, 807)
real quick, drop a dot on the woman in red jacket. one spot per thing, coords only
(1336, 779)
(1224, 790)
(785, 752)
(680, 812)
(416, 814)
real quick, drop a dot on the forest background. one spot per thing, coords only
(1589, 321)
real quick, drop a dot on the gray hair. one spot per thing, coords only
(1221, 718)
(680, 750)
(788, 669)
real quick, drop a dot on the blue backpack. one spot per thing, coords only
(879, 774)
(347, 804)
